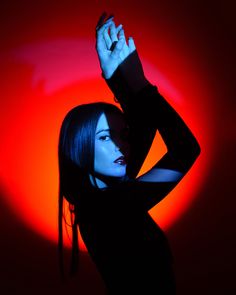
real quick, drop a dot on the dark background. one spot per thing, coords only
(203, 239)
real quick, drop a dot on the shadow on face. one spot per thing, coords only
(111, 146)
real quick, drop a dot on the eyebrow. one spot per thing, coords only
(103, 130)
(109, 130)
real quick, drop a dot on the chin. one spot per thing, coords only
(121, 172)
(119, 175)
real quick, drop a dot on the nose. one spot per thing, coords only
(117, 148)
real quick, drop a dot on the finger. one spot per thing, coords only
(101, 19)
(100, 34)
(104, 19)
(121, 34)
(107, 38)
(113, 32)
(103, 26)
(131, 44)
(113, 44)
(110, 17)
(125, 49)
(101, 47)
(118, 29)
(100, 41)
(118, 48)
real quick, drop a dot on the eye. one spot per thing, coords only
(104, 137)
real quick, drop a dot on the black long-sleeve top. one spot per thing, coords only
(129, 249)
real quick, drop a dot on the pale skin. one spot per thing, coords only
(111, 59)
(107, 33)
(110, 145)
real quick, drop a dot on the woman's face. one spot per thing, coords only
(111, 146)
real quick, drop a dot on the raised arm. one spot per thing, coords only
(113, 51)
(147, 111)
(111, 45)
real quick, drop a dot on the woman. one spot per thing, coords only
(101, 150)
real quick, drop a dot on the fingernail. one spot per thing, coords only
(109, 19)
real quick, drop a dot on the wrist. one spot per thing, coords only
(129, 75)
(107, 73)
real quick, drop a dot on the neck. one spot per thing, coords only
(104, 181)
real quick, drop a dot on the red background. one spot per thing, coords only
(191, 45)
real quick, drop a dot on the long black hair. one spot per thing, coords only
(76, 162)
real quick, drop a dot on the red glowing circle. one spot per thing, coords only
(52, 78)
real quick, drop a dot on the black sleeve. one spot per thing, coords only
(127, 85)
(146, 112)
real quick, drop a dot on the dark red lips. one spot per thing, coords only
(120, 160)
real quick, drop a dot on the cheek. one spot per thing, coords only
(101, 156)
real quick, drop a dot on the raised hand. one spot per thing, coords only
(111, 45)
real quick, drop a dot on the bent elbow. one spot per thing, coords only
(190, 155)
(197, 150)
(194, 153)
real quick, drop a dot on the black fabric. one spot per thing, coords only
(147, 111)
(129, 249)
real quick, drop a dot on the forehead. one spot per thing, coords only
(111, 121)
